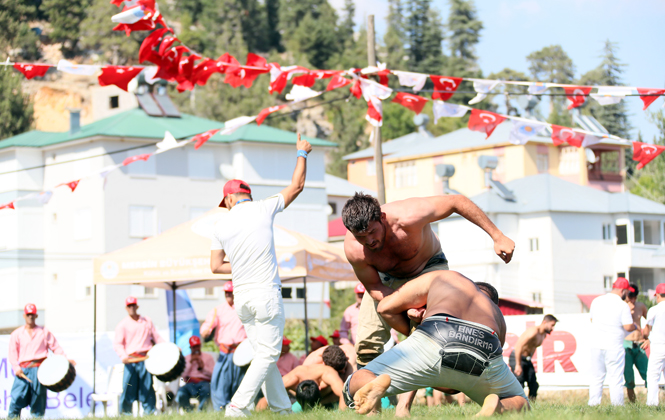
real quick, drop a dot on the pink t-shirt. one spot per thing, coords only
(230, 331)
(348, 328)
(135, 336)
(192, 369)
(24, 347)
(287, 362)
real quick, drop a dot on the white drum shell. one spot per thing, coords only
(244, 354)
(56, 373)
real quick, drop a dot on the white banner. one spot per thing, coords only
(563, 359)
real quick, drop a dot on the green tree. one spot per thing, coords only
(16, 34)
(15, 106)
(509, 74)
(347, 26)
(552, 64)
(393, 52)
(649, 182)
(423, 33)
(65, 17)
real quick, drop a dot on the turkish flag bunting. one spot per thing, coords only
(185, 70)
(72, 185)
(414, 102)
(8, 206)
(117, 2)
(337, 81)
(484, 121)
(577, 95)
(647, 95)
(170, 65)
(118, 75)
(148, 23)
(147, 46)
(445, 87)
(136, 158)
(306, 80)
(204, 70)
(645, 152)
(568, 135)
(325, 74)
(357, 89)
(167, 43)
(245, 76)
(374, 111)
(383, 76)
(31, 70)
(267, 111)
(200, 139)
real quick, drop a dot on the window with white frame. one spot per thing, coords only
(569, 161)
(82, 224)
(537, 297)
(542, 162)
(647, 232)
(533, 244)
(201, 164)
(607, 231)
(142, 221)
(607, 282)
(371, 168)
(142, 167)
(287, 292)
(405, 174)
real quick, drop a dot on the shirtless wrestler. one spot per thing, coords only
(525, 346)
(457, 346)
(391, 244)
(316, 358)
(328, 376)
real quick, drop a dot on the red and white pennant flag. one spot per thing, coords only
(118, 75)
(444, 86)
(577, 95)
(645, 152)
(648, 96)
(413, 102)
(9, 205)
(32, 70)
(484, 121)
(132, 159)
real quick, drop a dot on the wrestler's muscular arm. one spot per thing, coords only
(432, 209)
(412, 294)
(332, 378)
(525, 338)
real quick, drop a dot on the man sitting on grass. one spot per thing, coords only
(457, 346)
(327, 377)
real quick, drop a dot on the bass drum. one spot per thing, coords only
(244, 354)
(165, 361)
(56, 373)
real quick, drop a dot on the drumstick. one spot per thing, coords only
(22, 375)
(137, 359)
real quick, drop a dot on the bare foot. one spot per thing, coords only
(402, 412)
(491, 406)
(368, 398)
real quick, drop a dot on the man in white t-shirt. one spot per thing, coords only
(610, 322)
(655, 333)
(245, 234)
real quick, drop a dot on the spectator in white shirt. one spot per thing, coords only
(655, 333)
(611, 320)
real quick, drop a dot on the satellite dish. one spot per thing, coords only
(590, 156)
(227, 171)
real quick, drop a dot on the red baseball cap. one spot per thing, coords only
(360, 288)
(621, 283)
(335, 334)
(228, 286)
(30, 308)
(321, 339)
(131, 300)
(660, 289)
(285, 341)
(235, 186)
(194, 341)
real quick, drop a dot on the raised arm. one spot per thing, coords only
(298, 180)
(217, 263)
(332, 378)
(432, 209)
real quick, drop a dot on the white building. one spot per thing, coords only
(570, 240)
(46, 250)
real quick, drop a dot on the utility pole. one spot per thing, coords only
(378, 152)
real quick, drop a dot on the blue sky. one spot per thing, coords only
(515, 28)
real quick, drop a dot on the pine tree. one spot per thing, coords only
(393, 52)
(65, 17)
(347, 26)
(552, 64)
(15, 107)
(423, 33)
(16, 34)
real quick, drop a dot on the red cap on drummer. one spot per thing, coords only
(30, 308)
(228, 286)
(660, 289)
(235, 186)
(131, 300)
(621, 283)
(194, 341)
(360, 288)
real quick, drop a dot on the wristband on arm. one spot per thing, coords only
(302, 153)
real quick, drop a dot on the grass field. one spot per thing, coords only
(563, 405)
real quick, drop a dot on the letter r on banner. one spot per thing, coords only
(563, 357)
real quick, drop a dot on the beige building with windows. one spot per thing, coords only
(410, 163)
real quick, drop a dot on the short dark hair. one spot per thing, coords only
(550, 318)
(359, 211)
(334, 357)
(308, 394)
(634, 294)
(490, 290)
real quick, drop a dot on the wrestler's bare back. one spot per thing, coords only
(410, 242)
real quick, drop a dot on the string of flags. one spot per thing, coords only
(178, 64)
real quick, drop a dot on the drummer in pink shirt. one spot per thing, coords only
(226, 376)
(348, 328)
(287, 361)
(28, 347)
(197, 375)
(134, 336)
